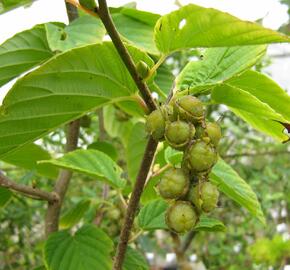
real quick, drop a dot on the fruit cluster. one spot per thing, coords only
(182, 124)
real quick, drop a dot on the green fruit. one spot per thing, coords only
(121, 116)
(89, 4)
(190, 108)
(200, 156)
(114, 214)
(173, 184)
(181, 217)
(179, 133)
(204, 196)
(155, 124)
(143, 69)
(85, 121)
(214, 132)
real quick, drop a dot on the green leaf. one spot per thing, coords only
(22, 52)
(164, 79)
(149, 193)
(7, 5)
(218, 65)
(88, 249)
(75, 214)
(5, 196)
(271, 128)
(135, 26)
(135, 150)
(134, 260)
(106, 147)
(152, 216)
(230, 183)
(263, 88)
(64, 88)
(173, 156)
(193, 26)
(82, 31)
(209, 224)
(256, 104)
(28, 156)
(115, 128)
(93, 163)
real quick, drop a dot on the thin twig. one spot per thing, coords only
(248, 154)
(105, 16)
(134, 202)
(28, 191)
(187, 241)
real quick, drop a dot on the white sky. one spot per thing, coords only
(41, 11)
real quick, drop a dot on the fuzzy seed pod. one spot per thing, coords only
(181, 217)
(190, 108)
(204, 196)
(173, 184)
(214, 132)
(200, 157)
(155, 124)
(179, 133)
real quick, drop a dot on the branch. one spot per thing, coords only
(270, 153)
(105, 16)
(62, 182)
(187, 241)
(28, 191)
(134, 201)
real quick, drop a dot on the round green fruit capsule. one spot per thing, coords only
(214, 132)
(85, 121)
(181, 217)
(114, 213)
(143, 69)
(190, 108)
(155, 124)
(204, 196)
(200, 156)
(179, 133)
(173, 184)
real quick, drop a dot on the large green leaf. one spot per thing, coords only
(152, 216)
(7, 5)
(115, 128)
(93, 163)
(261, 102)
(218, 65)
(27, 158)
(137, 27)
(88, 249)
(231, 184)
(63, 89)
(209, 224)
(135, 150)
(134, 260)
(194, 26)
(82, 31)
(265, 89)
(164, 79)
(105, 147)
(22, 52)
(5, 196)
(75, 214)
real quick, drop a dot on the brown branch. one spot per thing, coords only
(28, 191)
(62, 182)
(105, 16)
(134, 202)
(246, 154)
(187, 241)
